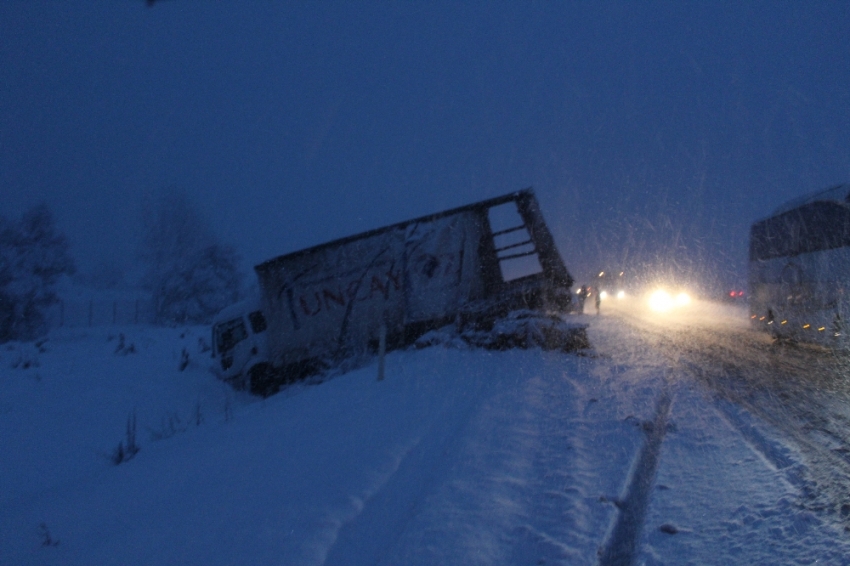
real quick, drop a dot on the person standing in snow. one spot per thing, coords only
(598, 300)
(582, 294)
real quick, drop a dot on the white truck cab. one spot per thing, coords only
(240, 345)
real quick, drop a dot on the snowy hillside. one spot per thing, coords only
(457, 457)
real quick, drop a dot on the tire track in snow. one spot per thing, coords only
(620, 547)
(385, 514)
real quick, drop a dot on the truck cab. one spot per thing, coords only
(240, 344)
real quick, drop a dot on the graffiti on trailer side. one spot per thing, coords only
(328, 298)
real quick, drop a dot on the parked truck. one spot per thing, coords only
(321, 305)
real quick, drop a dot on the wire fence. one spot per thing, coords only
(99, 312)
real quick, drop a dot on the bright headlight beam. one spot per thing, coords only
(660, 301)
(663, 301)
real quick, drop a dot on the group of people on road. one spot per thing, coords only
(586, 291)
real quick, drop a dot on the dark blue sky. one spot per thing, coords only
(651, 131)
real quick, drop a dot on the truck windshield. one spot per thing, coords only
(228, 334)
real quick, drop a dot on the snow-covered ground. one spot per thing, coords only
(457, 457)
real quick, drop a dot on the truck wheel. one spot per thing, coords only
(261, 380)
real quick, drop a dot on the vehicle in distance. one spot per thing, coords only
(799, 268)
(611, 284)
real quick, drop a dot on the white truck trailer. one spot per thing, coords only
(318, 306)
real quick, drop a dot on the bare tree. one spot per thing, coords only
(189, 274)
(33, 256)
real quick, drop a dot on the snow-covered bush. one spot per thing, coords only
(519, 329)
(171, 423)
(33, 256)
(123, 452)
(189, 274)
(122, 349)
(24, 355)
(46, 538)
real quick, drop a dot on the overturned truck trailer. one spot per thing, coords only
(468, 265)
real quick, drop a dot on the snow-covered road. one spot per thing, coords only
(457, 457)
(801, 391)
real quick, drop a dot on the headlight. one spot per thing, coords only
(603, 294)
(660, 301)
(621, 294)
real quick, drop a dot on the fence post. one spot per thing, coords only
(382, 349)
